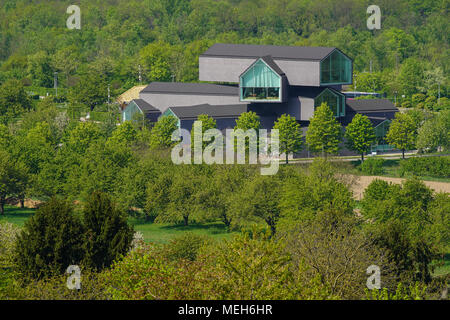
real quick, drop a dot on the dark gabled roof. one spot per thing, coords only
(144, 106)
(215, 111)
(269, 61)
(309, 92)
(191, 88)
(371, 105)
(276, 52)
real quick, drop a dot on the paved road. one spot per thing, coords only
(384, 156)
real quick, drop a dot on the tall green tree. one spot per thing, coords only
(50, 241)
(290, 135)
(107, 233)
(161, 135)
(324, 132)
(14, 101)
(401, 132)
(13, 178)
(360, 135)
(207, 123)
(91, 90)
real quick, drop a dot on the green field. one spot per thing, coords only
(153, 232)
(16, 215)
(163, 233)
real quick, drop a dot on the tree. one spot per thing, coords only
(401, 132)
(258, 202)
(360, 134)
(411, 75)
(13, 100)
(247, 121)
(125, 135)
(82, 136)
(40, 70)
(107, 233)
(161, 135)
(289, 134)
(50, 241)
(207, 123)
(90, 90)
(324, 132)
(13, 178)
(435, 132)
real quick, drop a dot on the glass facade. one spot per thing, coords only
(335, 101)
(336, 69)
(130, 112)
(260, 83)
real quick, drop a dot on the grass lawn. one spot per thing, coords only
(153, 232)
(162, 233)
(16, 215)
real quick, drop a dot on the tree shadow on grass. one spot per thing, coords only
(17, 212)
(213, 228)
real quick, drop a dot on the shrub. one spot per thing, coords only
(8, 234)
(427, 166)
(373, 166)
(50, 241)
(108, 235)
(185, 246)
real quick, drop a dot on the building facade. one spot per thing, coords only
(269, 80)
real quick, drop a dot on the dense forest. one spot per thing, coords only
(409, 55)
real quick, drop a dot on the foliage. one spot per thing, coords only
(373, 166)
(324, 132)
(185, 246)
(207, 123)
(107, 234)
(401, 132)
(161, 135)
(427, 166)
(13, 100)
(289, 134)
(8, 234)
(434, 134)
(50, 241)
(360, 135)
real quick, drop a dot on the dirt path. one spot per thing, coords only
(363, 181)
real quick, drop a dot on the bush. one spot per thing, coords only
(108, 235)
(50, 241)
(8, 234)
(185, 246)
(373, 166)
(427, 166)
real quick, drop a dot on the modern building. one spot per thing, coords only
(269, 80)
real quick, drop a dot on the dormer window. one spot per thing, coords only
(336, 69)
(262, 81)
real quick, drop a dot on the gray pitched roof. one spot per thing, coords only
(371, 105)
(273, 65)
(145, 106)
(276, 52)
(191, 88)
(215, 111)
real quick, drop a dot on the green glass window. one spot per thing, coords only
(381, 130)
(333, 100)
(336, 69)
(130, 111)
(260, 83)
(169, 112)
